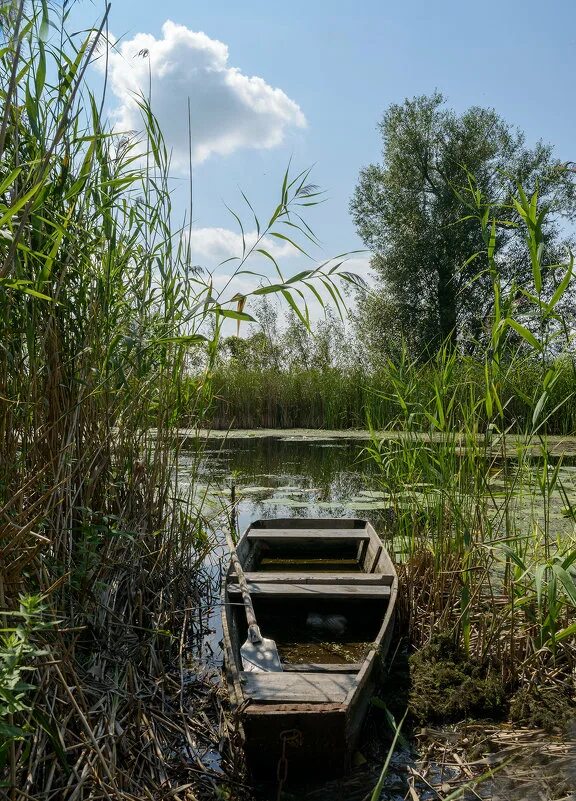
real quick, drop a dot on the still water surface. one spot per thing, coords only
(315, 474)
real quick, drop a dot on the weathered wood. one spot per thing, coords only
(316, 523)
(295, 577)
(319, 743)
(359, 697)
(363, 550)
(257, 710)
(308, 534)
(376, 559)
(327, 667)
(311, 688)
(376, 591)
(310, 564)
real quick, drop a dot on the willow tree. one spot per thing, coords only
(411, 211)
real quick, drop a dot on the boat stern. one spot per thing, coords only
(296, 739)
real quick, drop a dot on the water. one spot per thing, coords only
(275, 476)
(329, 474)
(322, 474)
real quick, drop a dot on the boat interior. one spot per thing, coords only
(321, 593)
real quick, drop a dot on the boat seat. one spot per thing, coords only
(289, 688)
(303, 590)
(322, 667)
(308, 534)
(295, 577)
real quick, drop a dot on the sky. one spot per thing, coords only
(306, 83)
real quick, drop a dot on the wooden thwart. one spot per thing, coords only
(294, 577)
(308, 534)
(311, 688)
(324, 667)
(314, 590)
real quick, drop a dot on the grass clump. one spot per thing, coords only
(550, 706)
(446, 685)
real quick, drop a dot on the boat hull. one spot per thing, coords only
(310, 715)
(309, 737)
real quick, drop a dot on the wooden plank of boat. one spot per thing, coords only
(312, 534)
(317, 590)
(326, 667)
(316, 523)
(308, 688)
(284, 576)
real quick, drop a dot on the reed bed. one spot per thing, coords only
(488, 596)
(339, 397)
(102, 552)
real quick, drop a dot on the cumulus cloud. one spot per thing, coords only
(211, 246)
(229, 110)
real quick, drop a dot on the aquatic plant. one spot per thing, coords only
(500, 584)
(345, 397)
(101, 311)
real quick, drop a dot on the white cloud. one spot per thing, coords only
(211, 246)
(229, 110)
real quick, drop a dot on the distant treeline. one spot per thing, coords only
(337, 398)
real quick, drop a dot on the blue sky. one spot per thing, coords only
(340, 64)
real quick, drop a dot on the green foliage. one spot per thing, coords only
(500, 587)
(18, 655)
(249, 393)
(428, 251)
(101, 315)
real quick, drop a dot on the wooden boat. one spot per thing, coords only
(309, 579)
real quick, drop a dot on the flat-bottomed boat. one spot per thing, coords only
(325, 591)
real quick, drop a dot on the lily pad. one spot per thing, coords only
(289, 503)
(254, 490)
(363, 504)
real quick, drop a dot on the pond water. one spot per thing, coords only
(329, 474)
(276, 476)
(315, 474)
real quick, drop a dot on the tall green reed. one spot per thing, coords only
(100, 311)
(256, 396)
(502, 583)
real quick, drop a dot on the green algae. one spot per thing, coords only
(543, 706)
(445, 685)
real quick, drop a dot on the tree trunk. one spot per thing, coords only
(447, 305)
